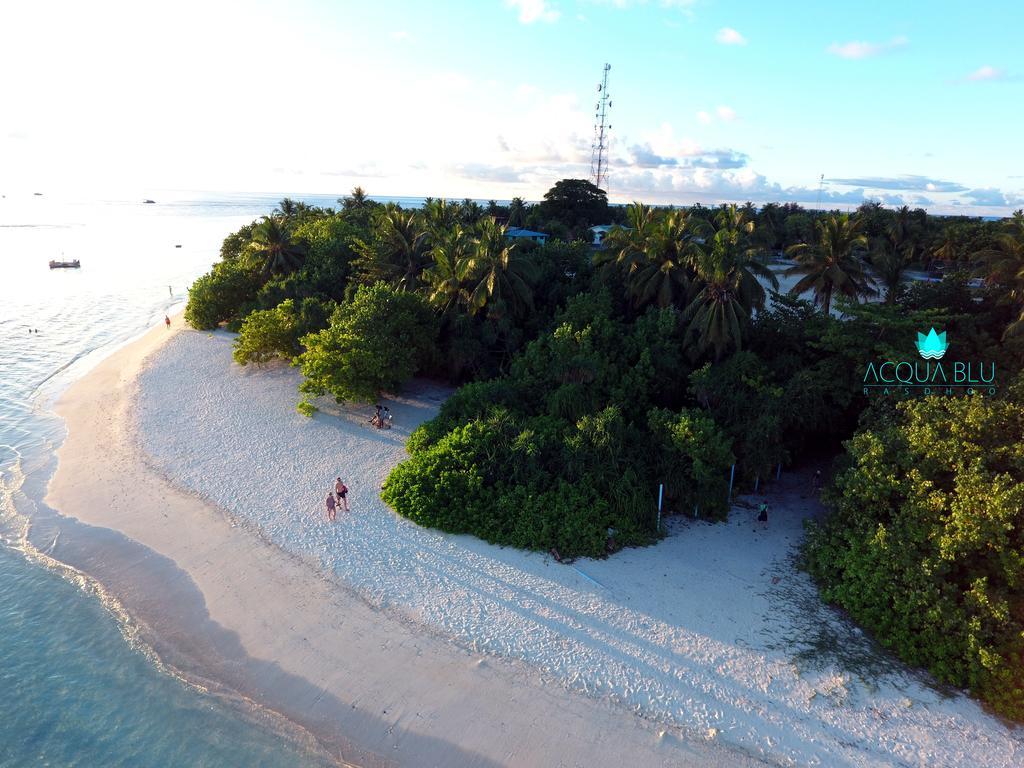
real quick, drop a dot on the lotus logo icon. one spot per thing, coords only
(933, 346)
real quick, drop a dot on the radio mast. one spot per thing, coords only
(602, 130)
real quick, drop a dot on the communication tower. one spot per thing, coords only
(602, 131)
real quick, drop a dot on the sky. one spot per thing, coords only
(917, 103)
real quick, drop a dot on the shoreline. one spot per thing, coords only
(220, 603)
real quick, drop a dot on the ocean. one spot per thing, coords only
(77, 686)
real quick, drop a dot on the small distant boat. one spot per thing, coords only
(149, 202)
(65, 264)
(38, 194)
(178, 245)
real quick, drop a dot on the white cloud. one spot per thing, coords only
(534, 10)
(859, 49)
(683, 5)
(986, 73)
(722, 112)
(729, 36)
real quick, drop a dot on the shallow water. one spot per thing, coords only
(75, 689)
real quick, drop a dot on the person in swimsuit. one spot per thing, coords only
(331, 506)
(342, 490)
(167, 322)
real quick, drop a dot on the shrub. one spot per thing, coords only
(924, 546)
(693, 461)
(268, 333)
(222, 294)
(374, 343)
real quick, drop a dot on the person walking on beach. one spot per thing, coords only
(387, 418)
(342, 490)
(816, 482)
(331, 507)
(167, 322)
(762, 514)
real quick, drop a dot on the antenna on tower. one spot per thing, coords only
(821, 183)
(602, 130)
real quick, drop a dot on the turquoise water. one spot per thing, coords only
(74, 689)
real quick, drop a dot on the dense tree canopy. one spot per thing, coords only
(576, 204)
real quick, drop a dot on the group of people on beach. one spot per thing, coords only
(335, 499)
(382, 418)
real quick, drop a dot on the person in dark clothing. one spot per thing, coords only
(762, 514)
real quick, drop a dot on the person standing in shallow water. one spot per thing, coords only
(167, 322)
(331, 507)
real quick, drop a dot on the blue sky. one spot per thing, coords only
(915, 102)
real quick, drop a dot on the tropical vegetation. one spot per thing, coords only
(588, 377)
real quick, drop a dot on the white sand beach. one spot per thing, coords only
(400, 645)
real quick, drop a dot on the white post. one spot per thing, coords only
(661, 490)
(757, 482)
(732, 475)
(778, 472)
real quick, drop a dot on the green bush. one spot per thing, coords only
(268, 333)
(925, 545)
(222, 294)
(374, 343)
(451, 485)
(567, 445)
(693, 460)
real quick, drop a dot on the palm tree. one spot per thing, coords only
(356, 201)
(439, 216)
(447, 277)
(516, 212)
(947, 247)
(890, 262)
(500, 277)
(1004, 266)
(625, 248)
(470, 211)
(893, 252)
(403, 239)
(770, 226)
(287, 208)
(669, 248)
(726, 285)
(272, 243)
(1015, 224)
(832, 264)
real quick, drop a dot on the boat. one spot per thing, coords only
(65, 264)
(148, 202)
